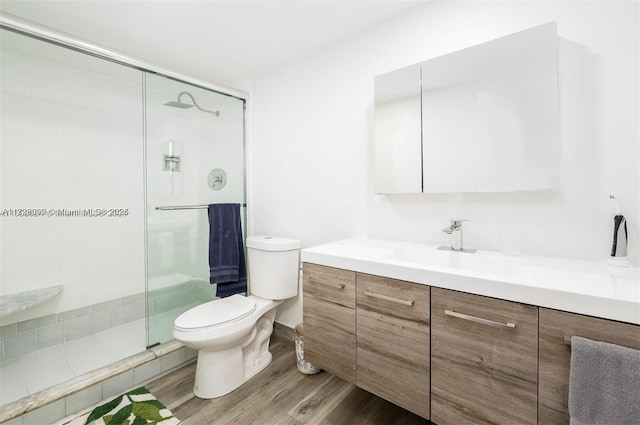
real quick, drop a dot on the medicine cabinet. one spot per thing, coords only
(481, 119)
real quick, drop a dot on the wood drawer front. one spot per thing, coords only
(394, 297)
(393, 359)
(330, 337)
(482, 374)
(329, 283)
(555, 355)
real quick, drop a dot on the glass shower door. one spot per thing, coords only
(194, 157)
(71, 215)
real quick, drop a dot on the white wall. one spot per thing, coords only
(312, 137)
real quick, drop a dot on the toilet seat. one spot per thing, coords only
(215, 313)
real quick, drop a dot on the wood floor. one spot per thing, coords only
(280, 395)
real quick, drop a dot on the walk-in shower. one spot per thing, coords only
(95, 264)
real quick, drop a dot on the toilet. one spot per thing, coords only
(232, 334)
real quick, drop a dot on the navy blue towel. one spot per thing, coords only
(227, 266)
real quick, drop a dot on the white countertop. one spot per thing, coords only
(590, 288)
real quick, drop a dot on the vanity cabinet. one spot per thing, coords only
(393, 341)
(484, 360)
(329, 317)
(556, 330)
(448, 356)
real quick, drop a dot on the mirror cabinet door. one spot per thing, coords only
(481, 119)
(397, 133)
(490, 116)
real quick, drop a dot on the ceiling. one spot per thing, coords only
(218, 41)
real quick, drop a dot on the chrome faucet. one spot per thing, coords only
(455, 230)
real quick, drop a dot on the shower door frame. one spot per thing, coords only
(30, 29)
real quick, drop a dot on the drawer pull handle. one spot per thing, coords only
(390, 299)
(331, 284)
(480, 320)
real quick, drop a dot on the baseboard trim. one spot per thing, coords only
(282, 331)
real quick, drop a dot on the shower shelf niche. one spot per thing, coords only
(12, 303)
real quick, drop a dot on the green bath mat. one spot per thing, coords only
(137, 407)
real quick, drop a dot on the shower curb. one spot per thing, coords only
(42, 398)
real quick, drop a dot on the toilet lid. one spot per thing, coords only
(216, 312)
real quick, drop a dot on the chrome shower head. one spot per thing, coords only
(182, 105)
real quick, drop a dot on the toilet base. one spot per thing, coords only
(220, 372)
(227, 375)
(257, 365)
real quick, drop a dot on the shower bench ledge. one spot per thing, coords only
(12, 303)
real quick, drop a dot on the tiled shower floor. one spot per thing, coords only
(41, 369)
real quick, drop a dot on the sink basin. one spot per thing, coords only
(421, 256)
(482, 262)
(359, 251)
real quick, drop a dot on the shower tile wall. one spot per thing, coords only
(36, 334)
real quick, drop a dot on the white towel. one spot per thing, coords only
(604, 385)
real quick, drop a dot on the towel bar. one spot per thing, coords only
(186, 207)
(567, 341)
(183, 207)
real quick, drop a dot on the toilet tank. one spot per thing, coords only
(273, 264)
